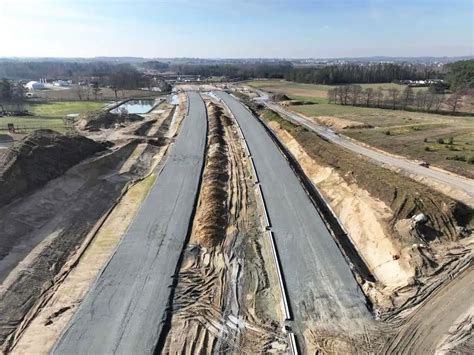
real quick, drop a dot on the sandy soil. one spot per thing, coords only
(416, 284)
(365, 218)
(100, 184)
(225, 301)
(339, 123)
(41, 334)
(438, 317)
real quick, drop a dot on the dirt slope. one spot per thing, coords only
(44, 231)
(40, 157)
(94, 121)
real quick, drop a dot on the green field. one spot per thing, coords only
(411, 134)
(49, 115)
(311, 92)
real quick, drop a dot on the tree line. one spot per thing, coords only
(328, 75)
(91, 76)
(460, 75)
(235, 71)
(393, 98)
(354, 73)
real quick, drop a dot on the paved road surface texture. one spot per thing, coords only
(319, 282)
(123, 311)
(455, 181)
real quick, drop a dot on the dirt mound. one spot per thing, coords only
(212, 219)
(94, 121)
(39, 157)
(341, 123)
(280, 97)
(300, 103)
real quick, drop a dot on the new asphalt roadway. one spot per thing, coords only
(123, 311)
(320, 286)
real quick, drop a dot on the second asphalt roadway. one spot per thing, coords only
(321, 288)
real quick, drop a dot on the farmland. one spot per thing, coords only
(444, 141)
(310, 92)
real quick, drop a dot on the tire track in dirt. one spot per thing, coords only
(218, 299)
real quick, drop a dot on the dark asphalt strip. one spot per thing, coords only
(125, 310)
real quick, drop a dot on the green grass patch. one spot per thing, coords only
(32, 123)
(49, 115)
(61, 109)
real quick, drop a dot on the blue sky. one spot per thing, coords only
(236, 28)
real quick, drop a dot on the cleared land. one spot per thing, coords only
(135, 286)
(55, 233)
(324, 297)
(227, 297)
(416, 135)
(374, 206)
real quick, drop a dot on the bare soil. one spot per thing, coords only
(38, 158)
(415, 266)
(47, 234)
(226, 299)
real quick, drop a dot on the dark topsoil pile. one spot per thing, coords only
(94, 121)
(405, 197)
(40, 157)
(280, 97)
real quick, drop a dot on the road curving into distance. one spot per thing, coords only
(321, 288)
(454, 181)
(124, 310)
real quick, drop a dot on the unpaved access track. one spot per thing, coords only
(324, 298)
(123, 312)
(465, 185)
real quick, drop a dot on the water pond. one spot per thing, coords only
(136, 106)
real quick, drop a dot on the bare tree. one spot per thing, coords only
(408, 97)
(340, 95)
(420, 98)
(438, 101)
(96, 90)
(79, 90)
(18, 95)
(379, 96)
(368, 96)
(393, 94)
(355, 92)
(454, 101)
(345, 93)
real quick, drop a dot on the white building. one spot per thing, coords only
(61, 83)
(34, 85)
